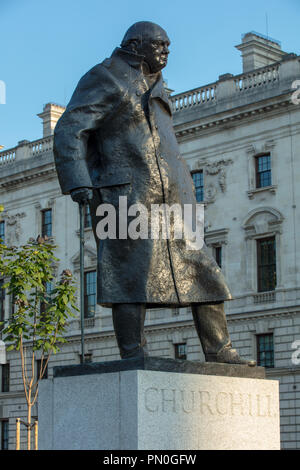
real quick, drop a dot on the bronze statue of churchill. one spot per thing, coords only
(115, 139)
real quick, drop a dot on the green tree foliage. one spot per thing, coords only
(40, 317)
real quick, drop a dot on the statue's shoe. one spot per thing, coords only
(229, 355)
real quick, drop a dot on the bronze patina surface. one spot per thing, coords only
(116, 139)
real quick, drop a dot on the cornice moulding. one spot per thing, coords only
(209, 124)
(13, 181)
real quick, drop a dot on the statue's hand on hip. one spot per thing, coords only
(82, 195)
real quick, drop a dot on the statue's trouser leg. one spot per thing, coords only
(211, 326)
(128, 320)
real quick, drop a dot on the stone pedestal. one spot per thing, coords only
(182, 406)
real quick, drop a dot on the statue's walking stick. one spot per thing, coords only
(81, 218)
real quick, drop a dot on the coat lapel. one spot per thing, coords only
(135, 61)
(159, 92)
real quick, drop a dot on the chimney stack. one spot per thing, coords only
(259, 51)
(50, 115)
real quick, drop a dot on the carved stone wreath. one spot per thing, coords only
(13, 225)
(215, 179)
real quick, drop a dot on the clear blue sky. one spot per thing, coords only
(46, 46)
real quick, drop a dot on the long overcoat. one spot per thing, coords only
(116, 136)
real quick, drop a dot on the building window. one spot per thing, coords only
(263, 170)
(47, 223)
(180, 351)
(2, 231)
(2, 299)
(265, 350)
(4, 434)
(199, 185)
(218, 255)
(38, 368)
(90, 293)
(5, 378)
(266, 264)
(87, 216)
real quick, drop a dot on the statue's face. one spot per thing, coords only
(155, 50)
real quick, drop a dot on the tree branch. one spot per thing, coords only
(23, 370)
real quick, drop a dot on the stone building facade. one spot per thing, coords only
(240, 138)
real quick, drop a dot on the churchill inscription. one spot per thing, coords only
(207, 403)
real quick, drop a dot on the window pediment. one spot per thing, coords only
(261, 221)
(90, 258)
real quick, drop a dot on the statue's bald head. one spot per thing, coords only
(144, 30)
(151, 41)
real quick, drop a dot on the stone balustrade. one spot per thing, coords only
(26, 150)
(232, 87)
(193, 97)
(257, 78)
(264, 297)
(40, 146)
(8, 156)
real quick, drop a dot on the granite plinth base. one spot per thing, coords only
(97, 406)
(161, 364)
